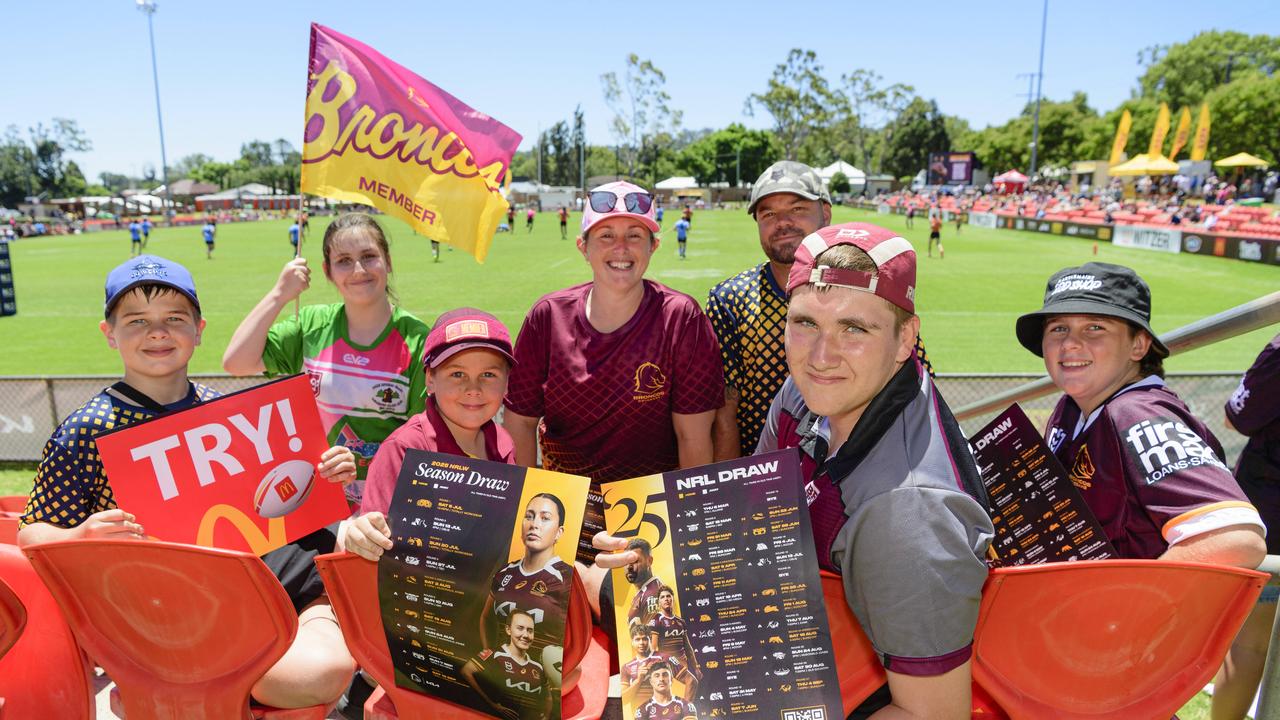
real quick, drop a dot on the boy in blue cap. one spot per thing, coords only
(153, 321)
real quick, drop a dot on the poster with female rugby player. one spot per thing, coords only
(721, 613)
(475, 593)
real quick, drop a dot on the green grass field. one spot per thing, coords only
(967, 302)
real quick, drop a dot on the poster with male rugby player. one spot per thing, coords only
(721, 615)
(474, 592)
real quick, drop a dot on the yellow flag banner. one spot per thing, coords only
(1200, 145)
(1161, 130)
(1122, 138)
(1183, 133)
(377, 134)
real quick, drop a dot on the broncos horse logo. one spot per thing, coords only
(651, 382)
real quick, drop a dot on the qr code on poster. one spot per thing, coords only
(809, 713)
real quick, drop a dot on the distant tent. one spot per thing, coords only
(1012, 181)
(677, 183)
(857, 178)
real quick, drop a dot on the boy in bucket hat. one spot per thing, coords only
(1149, 469)
(468, 357)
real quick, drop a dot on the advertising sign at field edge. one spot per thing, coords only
(377, 134)
(237, 472)
(1148, 238)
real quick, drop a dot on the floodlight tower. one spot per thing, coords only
(149, 8)
(1040, 83)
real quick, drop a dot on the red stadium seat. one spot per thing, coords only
(13, 618)
(352, 583)
(8, 529)
(1122, 639)
(184, 631)
(44, 674)
(857, 665)
(13, 504)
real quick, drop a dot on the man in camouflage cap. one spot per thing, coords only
(748, 311)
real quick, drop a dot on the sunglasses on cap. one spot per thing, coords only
(604, 201)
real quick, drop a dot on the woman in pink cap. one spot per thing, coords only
(620, 376)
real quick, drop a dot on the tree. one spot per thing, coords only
(38, 166)
(917, 131)
(184, 167)
(798, 98)
(1185, 74)
(839, 183)
(210, 172)
(1246, 115)
(257, 153)
(641, 112)
(579, 142)
(868, 104)
(730, 155)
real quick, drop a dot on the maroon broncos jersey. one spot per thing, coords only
(519, 686)
(543, 594)
(636, 671)
(1145, 464)
(671, 632)
(645, 604)
(677, 709)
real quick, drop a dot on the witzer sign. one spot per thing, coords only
(247, 459)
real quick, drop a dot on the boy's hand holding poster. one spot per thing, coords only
(475, 591)
(1038, 514)
(247, 459)
(722, 615)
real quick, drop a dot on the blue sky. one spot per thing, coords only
(232, 71)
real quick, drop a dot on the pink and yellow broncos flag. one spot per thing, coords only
(377, 134)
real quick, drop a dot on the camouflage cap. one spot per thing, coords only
(788, 176)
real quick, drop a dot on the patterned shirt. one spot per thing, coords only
(544, 594)
(749, 313)
(606, 399)
(70, 484)
(520, 686)
(363, 392)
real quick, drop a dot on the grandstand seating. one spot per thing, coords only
(857, 664)
(11, 508)
(13, 618)
(184, 631)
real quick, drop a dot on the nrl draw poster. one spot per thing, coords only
(475, 592)
(722, 616)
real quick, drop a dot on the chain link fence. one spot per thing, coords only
(31, 407)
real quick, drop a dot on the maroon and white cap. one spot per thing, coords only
(895, 259)
(464, 329)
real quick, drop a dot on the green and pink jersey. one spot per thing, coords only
(364, 392)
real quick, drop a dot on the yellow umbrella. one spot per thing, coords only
(1243, 159)
(1145, 164)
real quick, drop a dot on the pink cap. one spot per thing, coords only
(591, 217)
(464, 329)
(895, 259)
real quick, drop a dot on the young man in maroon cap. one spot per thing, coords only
(468, 358)
(890, 481)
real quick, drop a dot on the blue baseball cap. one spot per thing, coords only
(148, 270)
